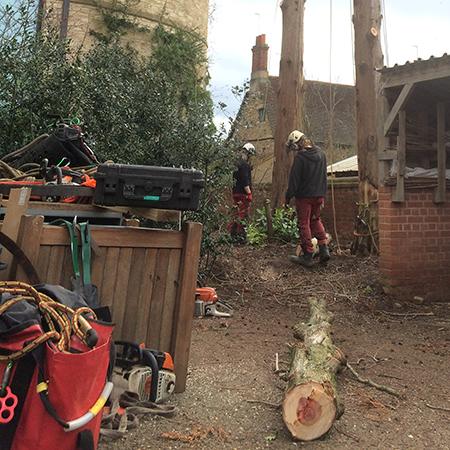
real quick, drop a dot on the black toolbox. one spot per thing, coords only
(148, 187)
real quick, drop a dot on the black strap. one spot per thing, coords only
(21, 258)
(85, 440)
(19, 386)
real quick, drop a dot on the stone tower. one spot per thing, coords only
(76, 19)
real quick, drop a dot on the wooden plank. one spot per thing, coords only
(132, 295)
(55, 266)
(43, 262)
(167, 320)
(401, 77)
(67, 270)
(120, 290)
(387, 155)
(145, 296)
(399, 104)
(158, 299)
(18, 204)
(157, 215)
(439, 196)
(109, 276)
(184, 313)
(118, 237)
(98, 263)
(29, 241)
(399, 194)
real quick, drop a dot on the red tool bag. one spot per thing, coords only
(54, 372)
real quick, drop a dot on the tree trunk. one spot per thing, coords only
(368, 58)
(290, 95)
(311, 402)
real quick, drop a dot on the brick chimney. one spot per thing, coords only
(260, 59)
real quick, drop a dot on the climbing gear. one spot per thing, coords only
(249, 149)
(54, 360)
(81, 281)
(148, 373)
(206, 304)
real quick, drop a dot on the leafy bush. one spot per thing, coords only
(284, 225)
(151, 110)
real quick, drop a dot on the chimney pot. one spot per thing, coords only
(260, 58)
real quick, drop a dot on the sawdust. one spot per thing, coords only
(197, 433)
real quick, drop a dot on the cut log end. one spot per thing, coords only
(309, 411)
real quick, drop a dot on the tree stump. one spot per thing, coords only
(311, 402)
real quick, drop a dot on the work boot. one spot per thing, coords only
(324, 253)
(305, 260)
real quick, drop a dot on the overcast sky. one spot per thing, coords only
(413, 27)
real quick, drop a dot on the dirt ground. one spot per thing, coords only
(232, 395)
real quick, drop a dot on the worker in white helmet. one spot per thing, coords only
(242, 192)
(308, 185)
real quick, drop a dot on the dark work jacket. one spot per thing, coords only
(308, 176)
(242, 177)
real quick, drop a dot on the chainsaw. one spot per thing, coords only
(147, 373)
(207, 303)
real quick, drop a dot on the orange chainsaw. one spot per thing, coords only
(207, 303)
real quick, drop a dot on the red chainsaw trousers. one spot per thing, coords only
(240, 213)
(309, 223)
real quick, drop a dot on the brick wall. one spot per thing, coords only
(346, 195)
(415, 245)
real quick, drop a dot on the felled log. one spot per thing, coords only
(311, 403)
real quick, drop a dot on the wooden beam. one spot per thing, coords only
(119, 237)
(387, 155)
(441, 155)
(399, 194)
(399, 104)
(401, 77)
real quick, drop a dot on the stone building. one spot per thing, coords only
(256, 119)
(76, 19)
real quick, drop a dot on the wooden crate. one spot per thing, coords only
(146, 276)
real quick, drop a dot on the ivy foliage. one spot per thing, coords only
(135, 109)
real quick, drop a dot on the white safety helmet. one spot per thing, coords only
(295, 137)
(249, 148)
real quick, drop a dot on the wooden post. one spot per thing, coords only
(290, 95)
(368, 58)
(184, 314)
(268, 211)
(17, 207)
(29, 240)
(441, 155)
(399, 194)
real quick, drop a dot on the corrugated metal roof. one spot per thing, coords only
(444, 59)
(346, 165)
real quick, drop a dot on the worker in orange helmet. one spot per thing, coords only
(242, 193)
(308, 184)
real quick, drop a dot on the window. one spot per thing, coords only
(262, 114)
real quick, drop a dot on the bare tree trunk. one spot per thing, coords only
(311, 404)
(368, 58)
(290, 95)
